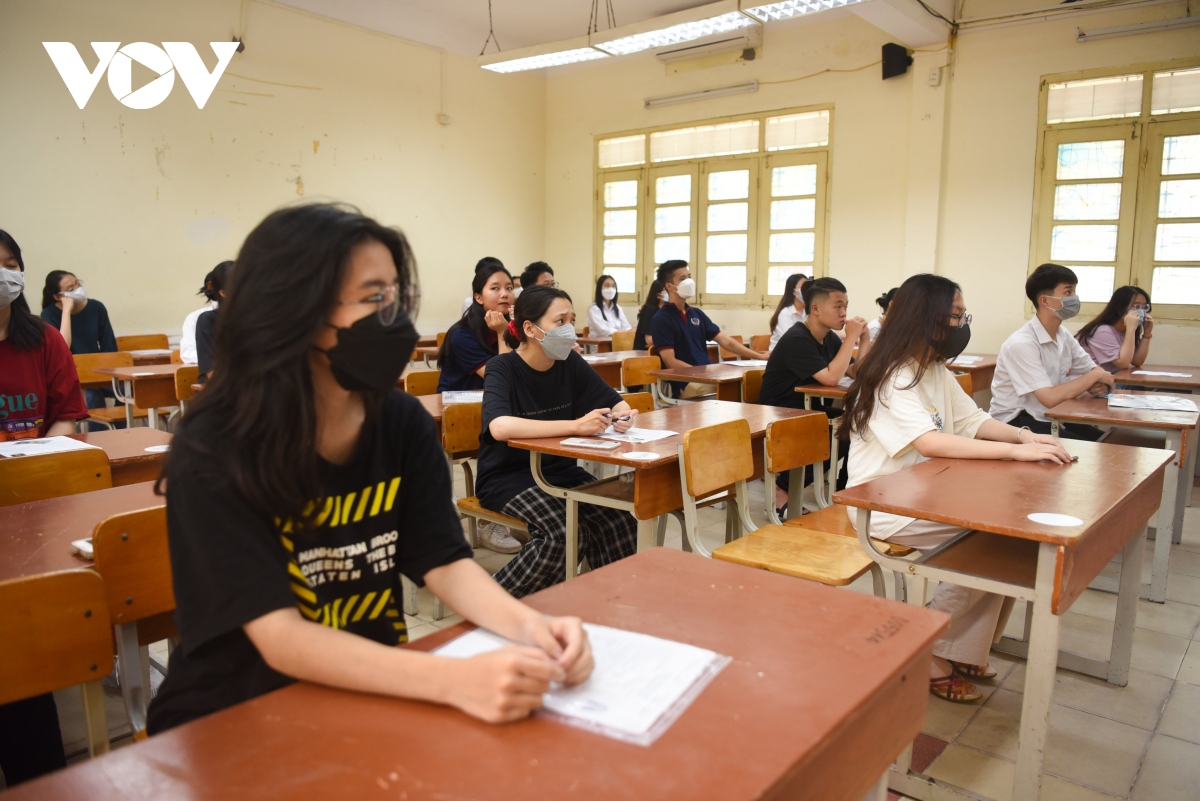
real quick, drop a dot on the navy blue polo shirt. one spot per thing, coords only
(687, 331)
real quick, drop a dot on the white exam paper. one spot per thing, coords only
(966, 360)
(640, 686)
(38, 447)
(1156, 402)
(637, 436)
(1158, 372)
(471, 396)
(747, 362)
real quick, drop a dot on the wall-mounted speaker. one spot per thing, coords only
(896, 60)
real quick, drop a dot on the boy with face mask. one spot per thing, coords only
(1041, 365)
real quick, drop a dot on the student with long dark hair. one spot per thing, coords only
(39, 397)
(301, 484)
(904, 407)
(475, 338)
(489, 263)
(82, 321)
(543, 388)
(884, 302)
(187, 340)
(791, 308)
(605, 315)
(206, 323)
(1106, 338)
(656, 298)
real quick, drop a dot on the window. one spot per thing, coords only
(743, 201)
(1118, 193)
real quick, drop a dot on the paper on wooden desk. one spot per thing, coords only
(637, 435)
(640, 686)
(1159, 372)
(38, 447)
(465, 396)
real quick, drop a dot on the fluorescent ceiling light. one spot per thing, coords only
(682, 26)
(770, 12)
(1144, 27)
(553, 54)
(703, 94)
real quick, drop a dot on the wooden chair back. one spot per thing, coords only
(57, 634)
(422, 382)
(716, 457)
(441, 337)
(760, 342)
(586, 328)
(86, 365)
(462, 424)
(185, 378)
(964, 381)
(729, 355)
(143, 342)
(622, 340)
(24, 479)
(176, 358)
(634, 372)
(642, 401)
(132, 557)
(796, 442)
(752, 385)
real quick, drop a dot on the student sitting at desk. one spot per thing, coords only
(1041, 365)
(791, 308)
(885, 302)
(472, 341)
(543, 388)
(1106, 338)
(656, 298)
(187, 340)
(682, 332)
(538, 274)
(812, 353)
(489, 263)
(905, 407)
(604, 315)
(206, 323)
(302, 483)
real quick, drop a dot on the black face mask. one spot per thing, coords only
(369, 356)
(955, 342)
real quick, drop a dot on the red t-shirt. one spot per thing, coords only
(38, 387)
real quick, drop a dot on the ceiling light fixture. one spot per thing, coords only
(1143, 27)
(770, 12)
(554, 54)
(683, 26)
(703, 94)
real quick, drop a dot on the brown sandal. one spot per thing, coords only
(954, 688)
(984, 671)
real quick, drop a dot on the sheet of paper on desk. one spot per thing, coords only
(150, 352)
(1156, 402)
(637, 435)
(640, 686)
(965, 360)
(473, 396)
(747, 362)
(846, 381)
(1157, 372)
(38, 447)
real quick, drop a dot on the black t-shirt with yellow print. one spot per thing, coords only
(387, 511)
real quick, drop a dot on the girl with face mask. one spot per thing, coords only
(904, 407)
(791, 309)
(545, 389)
(656, 298)
(604, 315)
(83, 321)
(1118, 338)
(302, 484)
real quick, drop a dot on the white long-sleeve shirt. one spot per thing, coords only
(787, 318)
(187, 342)
(599, 326)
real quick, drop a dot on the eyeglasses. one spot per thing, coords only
(1140, 307)
(389, 301)
(960, 320)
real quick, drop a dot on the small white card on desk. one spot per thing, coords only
(640, 686)
(1159, 372)
(150, 352)
(473, 396)
(38, 447)
(1155, 402)
(965, 360)
(637, 435)
(747, 362)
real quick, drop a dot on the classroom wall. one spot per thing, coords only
(984, 206)
(142, 203)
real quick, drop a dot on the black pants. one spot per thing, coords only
(781, 479)
(30, 740)
(1065, 430)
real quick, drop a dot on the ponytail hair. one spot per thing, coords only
(531, 306)
(885, 300)
(215, 281)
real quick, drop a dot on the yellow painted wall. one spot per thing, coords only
(141, 204)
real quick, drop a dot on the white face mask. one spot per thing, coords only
(664, 296)
(516, 293)
(686, 288)
(78, 294)
(12, 284)
(608, 293)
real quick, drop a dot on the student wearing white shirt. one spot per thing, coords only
(1041, 365)
(790, 309)
(905, 407)
(884, 301)
(604, 315)
(187, 342)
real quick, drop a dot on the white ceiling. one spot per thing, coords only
(461, 26)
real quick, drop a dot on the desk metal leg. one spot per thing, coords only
(1039, 680)
(572, 548)
(128, 384)
(1121, 650)
(1170, 522)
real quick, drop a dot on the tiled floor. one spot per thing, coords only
(1140, 742)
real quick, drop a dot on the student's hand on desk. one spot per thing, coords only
(503, 685)
(621, 426)
(855, 327)
(564, 640)
(1042, 451)
(592, 423)
(495, 321)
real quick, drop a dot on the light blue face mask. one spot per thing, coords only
(557, 343)
(12, 284)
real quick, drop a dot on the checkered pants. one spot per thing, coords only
(605, 535)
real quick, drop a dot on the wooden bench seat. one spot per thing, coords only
(834, 520)
(804, 553)
(471, 506)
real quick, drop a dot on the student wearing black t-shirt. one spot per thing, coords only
(544, 388)
(301, 485)
(206, 323)
(811, 353)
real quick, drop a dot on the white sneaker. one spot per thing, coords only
(496, 537)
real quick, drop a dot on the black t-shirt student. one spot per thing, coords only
(567, 391)
(91, 331)
(796, 359)
(206, 342)
(386, 511)
(644, 325)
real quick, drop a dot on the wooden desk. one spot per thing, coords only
(427, 341)
(155, 386)
(817, 714)
(127, 456)
(655, 489)
(36, 537)
(727, 378)
(981, 372)
(602, 344)
(150, 356)
(608, 364)
(1178, 384)
(825, 493)
(426, 352)
(1112, 490)
(1176, 427)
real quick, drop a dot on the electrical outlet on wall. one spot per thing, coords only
(935, 76)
